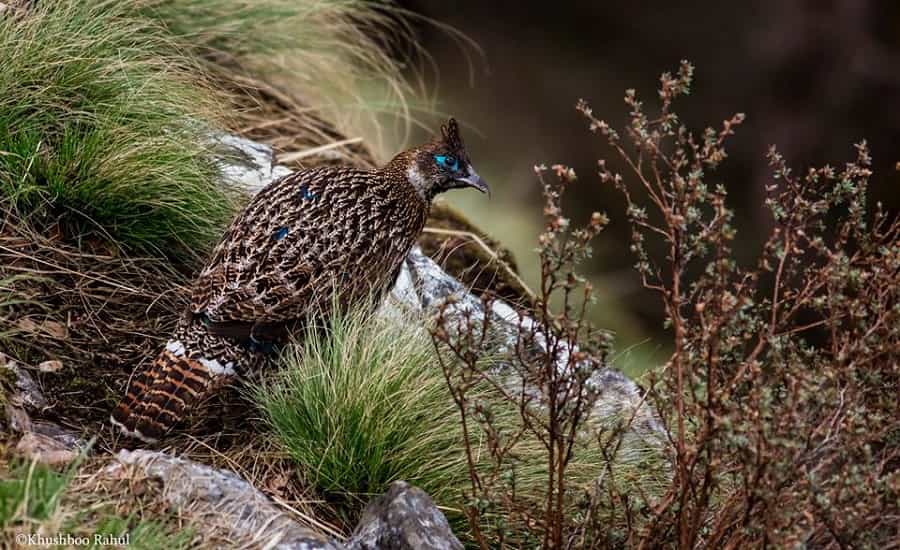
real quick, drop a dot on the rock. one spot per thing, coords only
(45, 449)
(42, 441)
(248, 165)
(404, 518)
(423, 287)
(16, 418)
(62, 436)
(225, 504)
(26, 392)
(53, 365)
(218, 500)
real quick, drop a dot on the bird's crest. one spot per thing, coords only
(450, 132)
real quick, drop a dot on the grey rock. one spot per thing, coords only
(218, 500)
(42, 441)
(404, 518)
(27, 393)
(16, 418)
(45, 449)
(248, 165)
(224, 504)
(423, 287)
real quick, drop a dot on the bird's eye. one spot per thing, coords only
(448, 161)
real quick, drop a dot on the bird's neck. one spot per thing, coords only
(402, 171)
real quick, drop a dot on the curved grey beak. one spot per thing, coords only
(472, 179)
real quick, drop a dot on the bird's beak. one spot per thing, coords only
(472, 179)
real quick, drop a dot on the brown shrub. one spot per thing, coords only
(779, 401)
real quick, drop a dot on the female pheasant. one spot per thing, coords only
(301, 240)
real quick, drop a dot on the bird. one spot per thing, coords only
(313, 241)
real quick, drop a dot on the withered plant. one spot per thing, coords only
(778, 404)
(780, 397)
(547, 376)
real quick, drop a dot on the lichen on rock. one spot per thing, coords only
(218, 500)
(404, 518)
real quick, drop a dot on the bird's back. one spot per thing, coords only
(315, 231)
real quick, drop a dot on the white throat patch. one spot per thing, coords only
(417, 180)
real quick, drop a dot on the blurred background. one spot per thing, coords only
(813, 77)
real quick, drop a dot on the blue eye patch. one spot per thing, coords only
(448, 161)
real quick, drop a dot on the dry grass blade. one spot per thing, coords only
(288, 158)
(493, 254)
(338, 60)
(97, 310)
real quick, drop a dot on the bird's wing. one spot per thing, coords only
(278, 254)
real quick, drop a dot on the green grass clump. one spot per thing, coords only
(362, 401)
(30, 492)
(104, 128)
(145, 534)
(35, 499)
(359, 404)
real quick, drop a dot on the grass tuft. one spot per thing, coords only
(102, 129)
(35, 499)
(361, 402)
(30, 492)
(338, 61)
(361, 406)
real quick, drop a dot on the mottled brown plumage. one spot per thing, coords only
(313, 239)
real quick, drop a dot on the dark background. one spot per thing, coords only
(813, 77)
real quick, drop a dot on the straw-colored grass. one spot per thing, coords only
(339, 68)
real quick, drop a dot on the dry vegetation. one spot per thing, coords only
(778, 404)
(780, 397)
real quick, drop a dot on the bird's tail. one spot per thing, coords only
(163, 393)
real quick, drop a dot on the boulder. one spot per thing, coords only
(218, 500)
(35, 446)
(222, 502)
(41, 441)
(404, 518)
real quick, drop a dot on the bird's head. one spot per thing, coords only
(442, 164)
